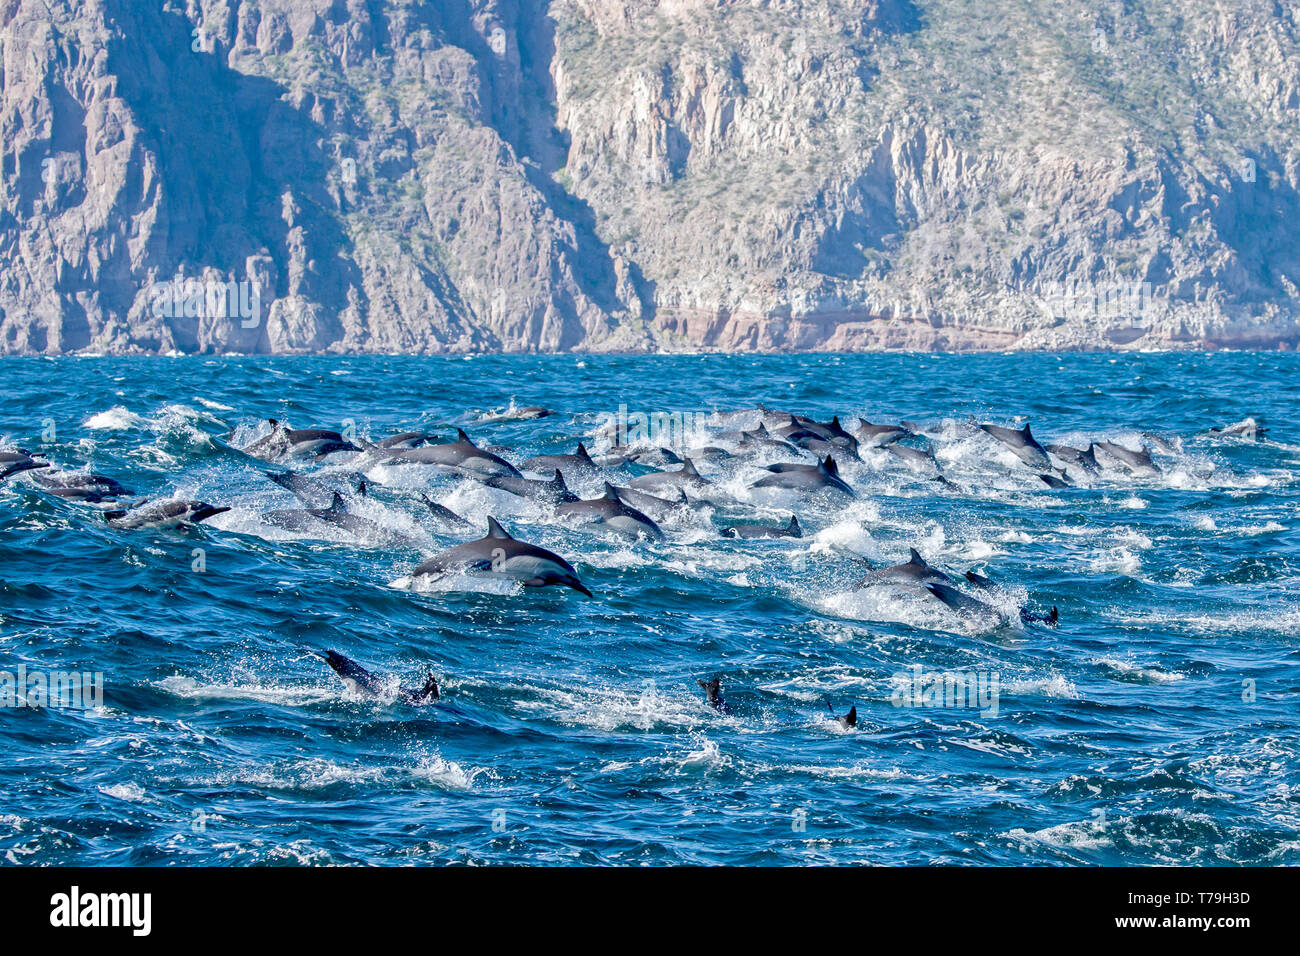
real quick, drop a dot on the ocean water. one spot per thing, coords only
(1158, 723)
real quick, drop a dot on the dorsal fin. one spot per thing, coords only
(495, 530)
(835, 424)
(794, 523)
(688, 467)
(830, 466)
(610, 491)
(558, 480)
(461, 436)
(1025, 431)
(761, 430)
(337, 504)
(915, 557)
(582, 452)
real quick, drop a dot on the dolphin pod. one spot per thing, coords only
(626, 490)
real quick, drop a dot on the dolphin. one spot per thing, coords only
(358, 680)
(709, 453)
(1023, 444)
(657, 508)
(878, 436)
(1247, 428)
(822, 447)
(272, 446)
(986, 615)
(445, 515)
(683, 478)
(498, 554)
(1084, 459)
(849, 720)
(610, 512)
(316, 442)
(405, 440)
(651, 457)
(913, 571)
(554, 491)
(526, 414)
(821, 478)
(14, 462)
(713, 695)
(794, 429)
(284, 442)
(577, 465)
(165, 513)
(1052, 481)
(792, 530)
(761, 438)
(74, 486)
(338, 516)
(916, 460)
(1138, 462)
(363, 528)
(461, 456)
(1051, 618)
(308, 490)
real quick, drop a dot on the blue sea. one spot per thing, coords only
(1156, 724)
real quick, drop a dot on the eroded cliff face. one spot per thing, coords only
(470, 175)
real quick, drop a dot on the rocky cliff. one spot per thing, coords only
(476, 175)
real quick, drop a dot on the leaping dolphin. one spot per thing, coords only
(554, 491)
(577, 465)
(878, 436)
(913, 571)
(612, 513)
(660, 509)
(445, 515)
(18, 460)
(684, 478)
(1023, 444)
(921, 461)
(985, 615)
(821, 478)
(1138, 462)
(167, 513)
(361, 681)
(74, 486)
(1084, 459)
(461, 456)
(284, 442)
(497, 554)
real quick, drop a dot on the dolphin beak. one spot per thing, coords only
(203, 514)
(579, 586)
